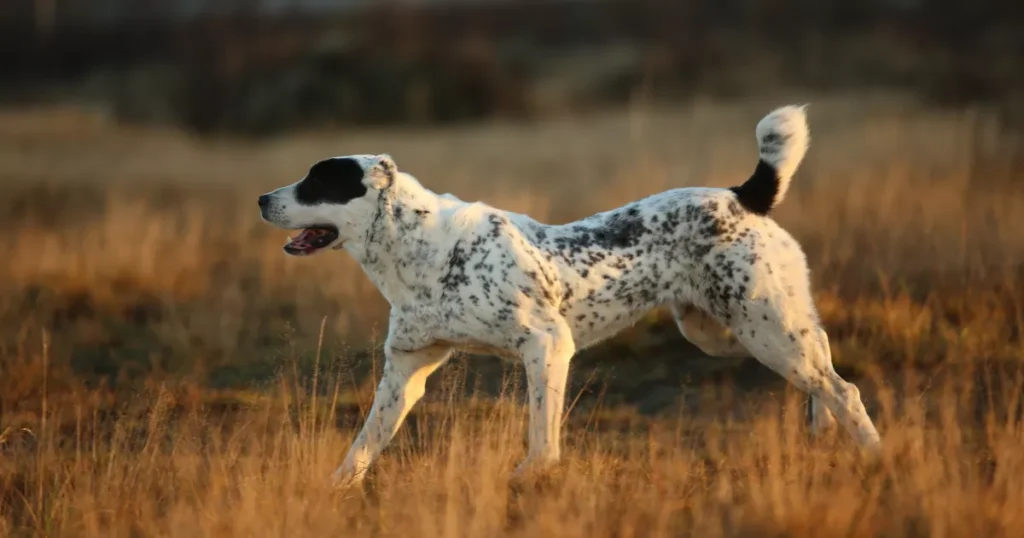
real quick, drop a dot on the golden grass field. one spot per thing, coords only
(166, 371)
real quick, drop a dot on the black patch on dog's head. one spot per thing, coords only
(332, 181)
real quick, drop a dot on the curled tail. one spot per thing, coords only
(782, 139)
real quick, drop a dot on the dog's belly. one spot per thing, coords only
(590, 327)
(479, 348)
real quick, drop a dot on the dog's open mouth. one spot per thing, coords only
(311, 240)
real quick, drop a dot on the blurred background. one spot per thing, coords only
(262, 66)
(166, 370)
(135, 136)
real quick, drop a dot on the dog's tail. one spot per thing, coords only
(782, 139)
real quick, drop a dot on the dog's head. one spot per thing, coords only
(334, 203)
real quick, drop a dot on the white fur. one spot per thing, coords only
(468, 276)
(782, 140)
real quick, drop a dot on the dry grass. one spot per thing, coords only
(952, 466)
(138, 257)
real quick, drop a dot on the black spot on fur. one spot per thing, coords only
(621, 230)
(757, 195)
(497, 223)
(331, 181)
(456, 276)
(735, 210)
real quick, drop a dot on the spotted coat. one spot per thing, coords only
(462, 275)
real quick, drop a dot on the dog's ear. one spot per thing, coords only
(383, 171)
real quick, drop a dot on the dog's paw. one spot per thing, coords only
(343, 481)
(535, 473)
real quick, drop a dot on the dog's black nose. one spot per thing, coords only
(264, 200)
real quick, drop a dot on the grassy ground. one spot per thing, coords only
(162, 466)
(165, 369)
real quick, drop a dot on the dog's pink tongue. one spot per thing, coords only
(303, 239)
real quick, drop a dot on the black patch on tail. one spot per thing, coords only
(757, 195)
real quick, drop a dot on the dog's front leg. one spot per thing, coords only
(546, 357)
(401, 386)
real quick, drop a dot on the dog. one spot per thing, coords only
(467, 276)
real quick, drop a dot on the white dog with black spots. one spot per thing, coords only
(467, 276)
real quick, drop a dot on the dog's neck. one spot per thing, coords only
(392, 252)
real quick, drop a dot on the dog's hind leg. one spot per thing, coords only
(821, 419)
(705, 332)
(797, 349)
(402, 385)
(717, 340)
(546, 354)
